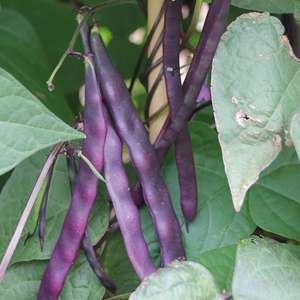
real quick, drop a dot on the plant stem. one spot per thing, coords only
(91, 166)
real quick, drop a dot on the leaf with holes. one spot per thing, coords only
(255, 94)
(26, 125)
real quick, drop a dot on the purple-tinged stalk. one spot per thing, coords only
(28, 208)
(126, 211)
(83, 193)
(131, 130)
(183, 145)
(94, 264)
(212, 31)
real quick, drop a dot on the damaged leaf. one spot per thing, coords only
(255, 95)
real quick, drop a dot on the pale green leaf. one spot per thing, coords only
(265, 270)
(180, 280)
(26, 125)
(255, 94)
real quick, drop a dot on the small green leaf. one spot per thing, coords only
(272, 6)
(265, 270)
(22, 282)
(255, 95)
(26, 126)
(180, 280)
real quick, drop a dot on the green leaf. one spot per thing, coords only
(22, 281)
(255, 94)
(26, 126)
(180, 280)
(220, 262)
(265, 270)
(217, 224)
(22, 55)
(114, 261)
(274, 200)
(53, 36)
(272, 6)
(15, 194)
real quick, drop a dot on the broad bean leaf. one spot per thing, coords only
(217, 224)
(180, 280)
(265, 269)
(274, 200)
(220, 262)
(255, 96)
(26, 125)
(22, 281)
(23, 56)
(272, 6)
(14, 196)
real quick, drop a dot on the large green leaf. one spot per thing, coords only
(274, 201)
(220, 262)
(114, 261)
(180, 280)
(26, 125)
(272, 6)
(22, 55)
(217, 224)
(14, 196)
(265, 270)
(22, 281)
(255, 94)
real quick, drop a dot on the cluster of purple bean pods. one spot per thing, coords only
(110, 119)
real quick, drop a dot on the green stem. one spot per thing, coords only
(120, 297)
(91, 166)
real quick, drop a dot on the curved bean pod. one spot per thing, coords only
(133, 133)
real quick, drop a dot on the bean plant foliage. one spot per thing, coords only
(150, 149)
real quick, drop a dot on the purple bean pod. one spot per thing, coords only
(126, 211)
(94, 264)
(131, 130)
(212, 31)
(83, 194)
(183, 145)
(207, 46)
